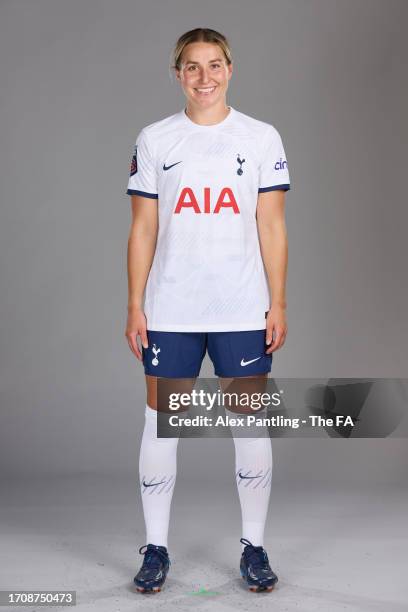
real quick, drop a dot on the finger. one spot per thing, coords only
(143, 337)
(269, 337)
(278, 344)
(282, 340)
(128, 336)
(269, 333)
(131, 348)
(132, 339)
(138, 348)
(276, 341)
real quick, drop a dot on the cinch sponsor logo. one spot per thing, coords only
(281, 164)
(187, 199)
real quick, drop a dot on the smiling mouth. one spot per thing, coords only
(205, 91)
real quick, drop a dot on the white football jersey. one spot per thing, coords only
(207, 273)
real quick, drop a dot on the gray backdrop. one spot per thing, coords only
(78, 82)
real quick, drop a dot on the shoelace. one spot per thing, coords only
(153, 556)
(256, 555)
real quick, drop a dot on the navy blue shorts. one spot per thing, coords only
(180, 354)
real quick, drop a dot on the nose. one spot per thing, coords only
(204, 77)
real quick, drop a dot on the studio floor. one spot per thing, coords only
(333, 548)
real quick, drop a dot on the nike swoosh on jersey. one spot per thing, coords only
(245, 363)
(247, 477)
(153, 484)
(168, 167)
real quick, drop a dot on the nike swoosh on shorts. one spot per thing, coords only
(245, 363)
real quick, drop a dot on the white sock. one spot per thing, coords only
(157, 464)
(253, 460)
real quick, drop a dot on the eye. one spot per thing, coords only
(190, 68)
(216, 66)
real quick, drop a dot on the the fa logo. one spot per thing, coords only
(156, 351)
(187, 199)
(281, 164)
(240, 161)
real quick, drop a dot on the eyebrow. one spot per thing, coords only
(217, 59)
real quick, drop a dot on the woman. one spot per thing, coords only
(208, 243)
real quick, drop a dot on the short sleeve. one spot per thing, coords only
(142, 178)
(273, 171)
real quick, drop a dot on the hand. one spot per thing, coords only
(276, 322)
(136, 326)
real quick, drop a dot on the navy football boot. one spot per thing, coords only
(151, 576)
(255, 568)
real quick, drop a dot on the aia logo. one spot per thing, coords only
(187, 199)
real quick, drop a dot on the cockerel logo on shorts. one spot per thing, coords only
(156, 351)
(133, 165)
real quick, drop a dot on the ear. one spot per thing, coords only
(230, 70)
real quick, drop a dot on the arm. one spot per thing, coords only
(141, 249)
(271, 224)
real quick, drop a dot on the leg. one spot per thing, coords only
(168, 356)
(253, 472)
(174, 358)
(158, 466)
(253, 462)
(234, 354)
(178, 385)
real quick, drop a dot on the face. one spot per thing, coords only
(204, 74)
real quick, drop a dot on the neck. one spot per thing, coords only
(207, 116)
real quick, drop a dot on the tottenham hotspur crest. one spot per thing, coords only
(240, 161)
(156, 351)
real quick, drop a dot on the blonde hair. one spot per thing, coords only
(199, 35)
